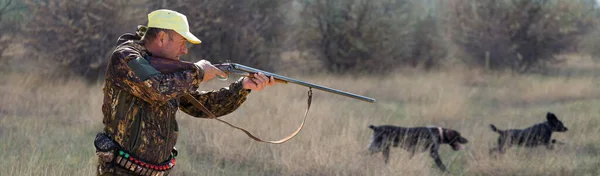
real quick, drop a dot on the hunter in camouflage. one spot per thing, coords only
(140, 102)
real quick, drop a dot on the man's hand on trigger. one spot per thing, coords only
(258, 82)
(210, 71)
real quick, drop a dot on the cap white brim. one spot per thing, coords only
(189, 37)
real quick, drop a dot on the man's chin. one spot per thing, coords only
(167, 57)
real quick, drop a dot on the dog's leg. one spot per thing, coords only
(496, 149)
(396, 140)
(412, 152)
(553, 143)
(493, 150)
(386, 154)
(434, 154)
(501, 145)
(501, 150)
(550, 144)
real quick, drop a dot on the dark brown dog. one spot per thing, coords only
(538, 134)
(417, 139)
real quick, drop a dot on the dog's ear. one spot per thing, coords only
(551, 117)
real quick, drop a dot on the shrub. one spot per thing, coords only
(590, 43)
(359, 35)
(10, 13)
(520, 35)
(430, 45)
(80, 36)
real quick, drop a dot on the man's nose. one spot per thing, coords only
(184, 49)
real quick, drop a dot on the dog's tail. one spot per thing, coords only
(554, 141)
(495, 129)
(372, 126)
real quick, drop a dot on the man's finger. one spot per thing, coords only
(271, 80)
(262, 77)
(255, 81)
(256, 78)
(265, 80)
(260, 84)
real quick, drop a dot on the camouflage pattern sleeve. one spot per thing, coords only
(145, 82)
(219, 102)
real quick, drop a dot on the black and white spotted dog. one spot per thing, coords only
(416, 139)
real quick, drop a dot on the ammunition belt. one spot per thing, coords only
(129, 162)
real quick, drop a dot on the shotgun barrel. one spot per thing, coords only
(242, 70)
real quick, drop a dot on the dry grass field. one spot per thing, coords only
(47, 126)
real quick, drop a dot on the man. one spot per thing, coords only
(140, 102)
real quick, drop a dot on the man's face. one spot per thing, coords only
(173, 46)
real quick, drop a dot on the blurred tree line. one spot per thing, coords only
(519, 35)
(344, 36)
(9, 16)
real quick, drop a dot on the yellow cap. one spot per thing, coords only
(168, 19)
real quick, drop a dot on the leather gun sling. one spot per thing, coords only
(199, 105)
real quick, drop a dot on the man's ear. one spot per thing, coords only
(161, 37)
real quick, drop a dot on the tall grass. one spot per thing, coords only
(47, 126)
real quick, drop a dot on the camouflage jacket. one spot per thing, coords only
(140, 103)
